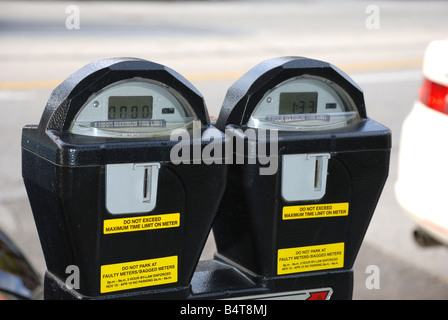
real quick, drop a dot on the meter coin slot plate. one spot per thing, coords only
(304, 176)
(131, 187)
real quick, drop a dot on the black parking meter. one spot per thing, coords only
(122, 201)
(308, 170)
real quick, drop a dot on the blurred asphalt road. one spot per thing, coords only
(212, 44)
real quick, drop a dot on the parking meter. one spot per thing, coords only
(120, 212)
(308, 170)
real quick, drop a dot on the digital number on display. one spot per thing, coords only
(298, 102)
(130, 107)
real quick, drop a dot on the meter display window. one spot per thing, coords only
(134, 108)
(304, 103)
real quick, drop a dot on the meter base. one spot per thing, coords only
(220, 278)
(56, 289)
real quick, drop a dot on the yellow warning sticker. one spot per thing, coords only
(170, 220)
(312, 258)
(138, 274)
(315, 211)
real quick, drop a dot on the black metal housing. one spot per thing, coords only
(249, 229)
(64, 175)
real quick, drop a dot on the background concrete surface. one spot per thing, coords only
(212, 43)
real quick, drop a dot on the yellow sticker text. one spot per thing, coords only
(312, 258)
(170, 220)
(315, 211)
(138, 274)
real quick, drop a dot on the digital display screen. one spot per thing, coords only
(298, 102)
(130, 107)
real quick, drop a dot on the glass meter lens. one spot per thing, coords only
(134, 108)
(304, 103)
